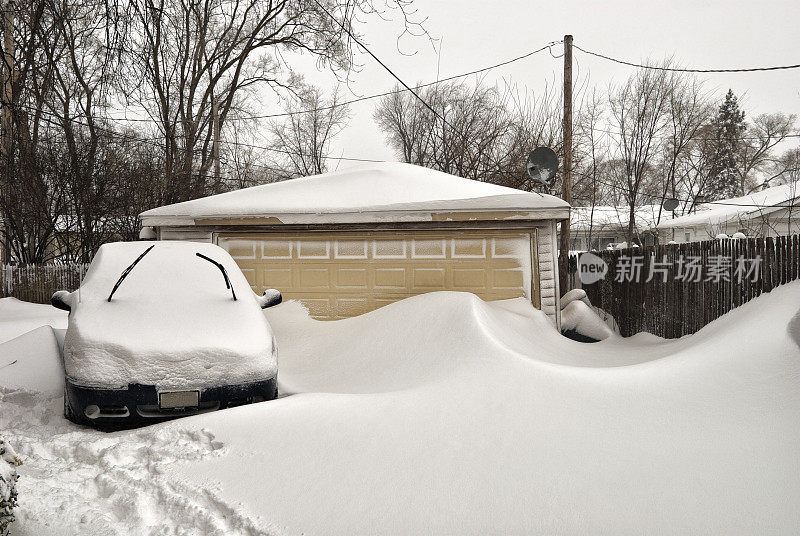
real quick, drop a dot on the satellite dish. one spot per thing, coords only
(542, 166)
(671, 204)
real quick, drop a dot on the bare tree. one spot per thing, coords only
(191, 57)
(760, 139)
(638, 109)
(478, 132)
(303, 139)
(688, 112)
(590, 154)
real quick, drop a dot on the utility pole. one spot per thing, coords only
(215, 119)
(566, 184)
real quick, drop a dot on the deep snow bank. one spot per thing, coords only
(443, 414)
(18, 317)
(32, 361)
(490, 422)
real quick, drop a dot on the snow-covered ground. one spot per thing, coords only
(440, 414)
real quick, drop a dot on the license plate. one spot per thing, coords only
(179, 399)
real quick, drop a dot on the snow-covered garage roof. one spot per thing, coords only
(379, 192)
(754, 205)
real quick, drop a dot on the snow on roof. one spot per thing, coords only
(610, 217)
(749, 206)
(363, 194)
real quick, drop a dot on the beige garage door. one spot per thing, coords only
(346, 274)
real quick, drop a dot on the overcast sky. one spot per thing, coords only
(475, 34)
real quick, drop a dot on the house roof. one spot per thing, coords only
(385, 191)
(605, 217)
(749, 206)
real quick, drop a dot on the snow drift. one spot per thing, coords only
(19, 317)
(443, 414)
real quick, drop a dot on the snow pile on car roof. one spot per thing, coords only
(442, 414)
(172, 322)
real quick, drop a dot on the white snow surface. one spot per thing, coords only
(605, 217)
(171, 323)
(754, 204)
(381, 191)
(18, 317)
(443, 414)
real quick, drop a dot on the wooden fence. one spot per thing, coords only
(680, 288)
(37, 282)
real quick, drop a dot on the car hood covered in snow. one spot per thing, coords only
(172, 322)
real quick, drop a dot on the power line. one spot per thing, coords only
(684, 201)
(375, 95)
(386, 67)
(666, 136)
(408, 88)
(679, 70)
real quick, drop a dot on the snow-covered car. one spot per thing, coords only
(164, 329)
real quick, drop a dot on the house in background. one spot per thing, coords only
(770, 212)
(351, 241)
(597, 228)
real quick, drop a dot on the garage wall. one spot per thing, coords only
(548, 270)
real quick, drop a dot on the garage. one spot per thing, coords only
(347, 274)
(349, 242)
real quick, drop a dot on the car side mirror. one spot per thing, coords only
(269, 298)
(62, 299)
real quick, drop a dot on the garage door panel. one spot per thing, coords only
(505, 248)
(277, 277)
(314, 278)
(347, 274)
(390, 278)
(464, 279)
(276, 249)
(351, 249)
(389, 248)
(352, 278)
(433, 248)
(313, 249)
(508, 279)
(426, 279)
(468, 248)
(242, 249)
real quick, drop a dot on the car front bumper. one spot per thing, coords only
(140, 404)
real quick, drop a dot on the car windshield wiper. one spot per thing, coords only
(221, 269)
(128, 270)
